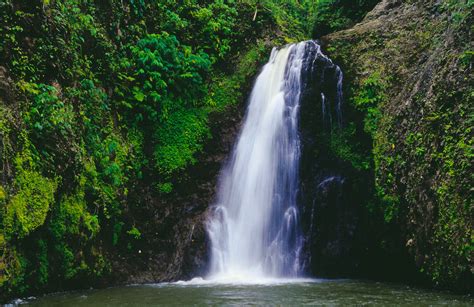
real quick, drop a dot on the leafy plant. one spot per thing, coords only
(334, 15)
(369, 99)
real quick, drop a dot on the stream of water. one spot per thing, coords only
(281, 292)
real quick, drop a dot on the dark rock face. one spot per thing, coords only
(6, 86)
(329, 206)
(334, 222)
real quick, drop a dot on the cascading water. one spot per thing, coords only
(254, 227)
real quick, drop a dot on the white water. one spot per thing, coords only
(254, 227)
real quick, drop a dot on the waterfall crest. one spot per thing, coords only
(254, 226)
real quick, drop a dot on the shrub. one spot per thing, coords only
(334, 15)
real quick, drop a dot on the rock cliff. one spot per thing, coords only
(409, 97)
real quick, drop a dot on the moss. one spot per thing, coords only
(43, 263)
(27, 209)
(330, 15)
(369, 98)
(179, 139)
(73, 219)
(3, 265)
(467, 59)
(13, 271)
(165, 188)
(3, 195)
(345, 145)
(408, 76)
(226, 89)
(134, 233)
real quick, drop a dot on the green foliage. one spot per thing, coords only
(134, 233)
(165, 188)
(105, 175)
(43, 263)
(226, 90)
(27, 209)
(48, 116)
(292, 17)
(459, 10)
(390, 205)
(72, 218)
(117, 229)
(344, 144)
(421, 133)
(212, 25)
(467, 59)
(3, 264)
(160, 75)
(73, 226)
(217, 22)
(110, 99)
(163, 89)
(178, 139)
(13, 268)
(453, 229)
(333, 15)
(369, 99)
(3, 195)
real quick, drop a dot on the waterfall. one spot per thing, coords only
(254, 226)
